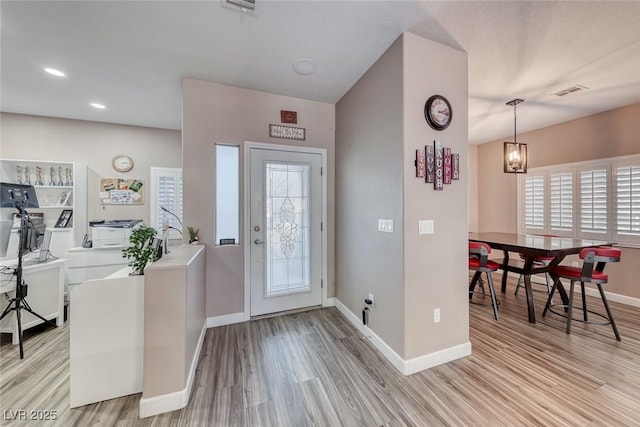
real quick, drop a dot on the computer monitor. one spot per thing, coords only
(21, 194)
(33, 239)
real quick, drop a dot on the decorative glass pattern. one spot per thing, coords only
(287, 228)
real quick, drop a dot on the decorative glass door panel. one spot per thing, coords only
(285, 230)
(287, 219)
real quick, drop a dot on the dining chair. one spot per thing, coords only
(594, 261)
(479, 262)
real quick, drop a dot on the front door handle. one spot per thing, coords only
(258, 242)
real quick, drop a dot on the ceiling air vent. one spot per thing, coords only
(572, 89)
(243, 4)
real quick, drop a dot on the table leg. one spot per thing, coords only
(505, 263)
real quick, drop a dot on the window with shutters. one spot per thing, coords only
(592, 200)
(561, 203)
(534, 202)
(166, 201)
(627, 203)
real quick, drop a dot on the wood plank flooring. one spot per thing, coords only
(314, 369)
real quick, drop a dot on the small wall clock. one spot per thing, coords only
(437, 112)
(122, 163)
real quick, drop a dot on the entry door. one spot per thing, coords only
(285, 230)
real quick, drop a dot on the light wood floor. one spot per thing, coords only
(313, 368)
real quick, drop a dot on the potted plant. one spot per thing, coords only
(193, 234)
(141, 251)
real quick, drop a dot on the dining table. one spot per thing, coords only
(530, 247)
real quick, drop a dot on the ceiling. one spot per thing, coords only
(131, 55)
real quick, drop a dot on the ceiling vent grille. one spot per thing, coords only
(572, 89)
(243, 4)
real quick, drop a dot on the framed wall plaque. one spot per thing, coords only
(286, 132)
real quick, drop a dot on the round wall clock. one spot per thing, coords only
(438, 113)
(122, 163)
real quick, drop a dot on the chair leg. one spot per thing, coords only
(584, 302)
(550, 299)
(518, 285)
(473, 283)
(606, 307)
(570, 312)
(494, 301)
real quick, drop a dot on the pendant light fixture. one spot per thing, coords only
(515, 153)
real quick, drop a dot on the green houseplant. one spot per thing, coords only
(193, 234)
(141, 251)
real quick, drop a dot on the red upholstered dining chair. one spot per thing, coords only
(594, 261)
(479, 262)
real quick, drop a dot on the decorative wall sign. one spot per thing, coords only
(455, 160)
(421, 166)
(286, 132)
(121, 191)
(288, 116)
(447, 165)
(438, 165)
(431, 164)
(439, 183)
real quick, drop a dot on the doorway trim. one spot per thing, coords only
(246, 239)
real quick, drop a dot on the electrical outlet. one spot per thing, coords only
(373, 302)
(436, 315)
(385, 225)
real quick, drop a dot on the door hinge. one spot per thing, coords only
(321, 226)
(321, 283)
(320, 170)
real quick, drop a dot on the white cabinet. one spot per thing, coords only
(91, 263)
(45, 294)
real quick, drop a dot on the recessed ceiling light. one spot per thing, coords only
(304, 66)
(54, 72)
(98, 106)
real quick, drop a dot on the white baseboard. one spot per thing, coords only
(329, 302)
(177, 400)
(226, 319)
(406, 367)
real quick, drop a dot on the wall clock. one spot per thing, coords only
(437, 112)
(122, 163)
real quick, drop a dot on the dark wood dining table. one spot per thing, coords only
(532, 246)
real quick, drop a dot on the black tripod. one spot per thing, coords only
(18, 303)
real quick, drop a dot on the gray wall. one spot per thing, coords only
(435, 265)
(379, 125)
(369, 175)
(93, 145)
(215, 113)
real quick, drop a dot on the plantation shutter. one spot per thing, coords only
(593, 201)
(167, 183)
(534, 202)
(627, 184)
(561, 203)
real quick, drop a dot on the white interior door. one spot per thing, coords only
(285, 230)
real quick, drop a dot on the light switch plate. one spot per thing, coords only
(385, 225)
(425, 226)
